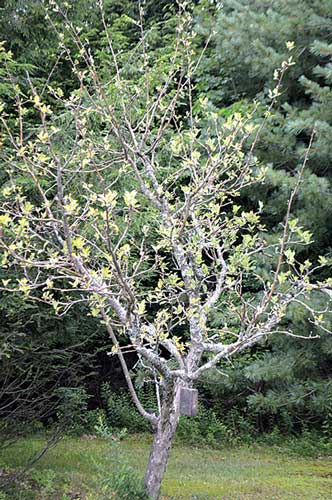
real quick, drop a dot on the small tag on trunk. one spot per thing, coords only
(188, 402)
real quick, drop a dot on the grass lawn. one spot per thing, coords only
(192, 474)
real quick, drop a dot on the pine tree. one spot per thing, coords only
(252, 38)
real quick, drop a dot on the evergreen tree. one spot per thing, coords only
(251, 38)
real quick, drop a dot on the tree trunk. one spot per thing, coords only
(162, 442)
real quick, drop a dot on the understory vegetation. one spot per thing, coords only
(214, 425)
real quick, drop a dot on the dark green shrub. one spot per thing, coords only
(72, 411)
(122, 481)
(206, 428)
(308, 444)
(121, 411)
(123, 484)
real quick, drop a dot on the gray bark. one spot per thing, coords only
(163, 439)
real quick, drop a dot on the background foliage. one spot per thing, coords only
(282, 387)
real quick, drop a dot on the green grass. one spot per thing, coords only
(193, 474)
